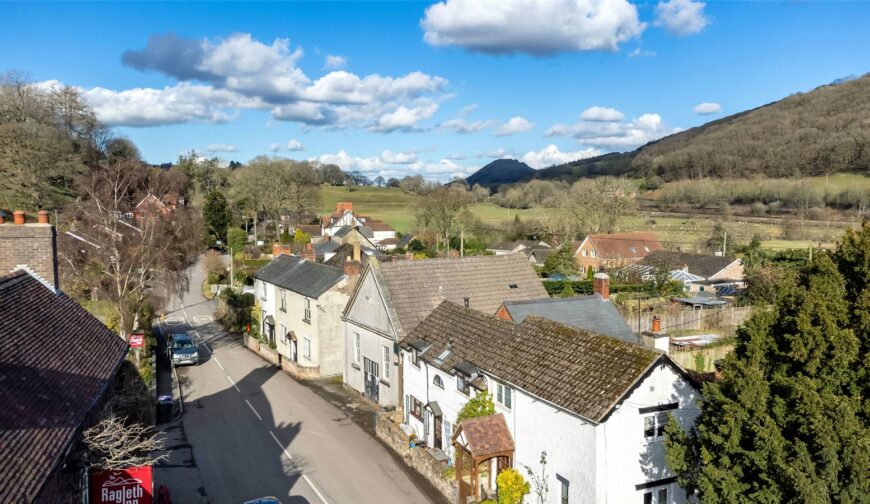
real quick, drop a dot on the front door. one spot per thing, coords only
(371, 379)
(436, 430)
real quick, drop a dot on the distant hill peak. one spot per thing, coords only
(501, 171)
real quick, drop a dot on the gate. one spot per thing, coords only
(371, 379)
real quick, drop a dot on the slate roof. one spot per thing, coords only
(416, 287)
(502, 246)
(487, 435)
(591, 313)
(346, 250)
(578, 370)
(363, 230)
(625, 245)
(542, 253)
(311, 279)
(56, 361)
(406, 239)
(699, 264)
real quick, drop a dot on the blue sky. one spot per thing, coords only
(440, 89)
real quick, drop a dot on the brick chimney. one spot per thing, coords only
(343, 205)
(308, 252)
(278, 250)
(351, 268)
(601, 285)
(29, 245)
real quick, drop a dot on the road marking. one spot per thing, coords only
(255, 411)
(219, 363)
(174, 320)
(234, 384)
(202, 319)
(304, 476)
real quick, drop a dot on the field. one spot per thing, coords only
(397, 208)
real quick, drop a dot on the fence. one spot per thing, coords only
(688, 319)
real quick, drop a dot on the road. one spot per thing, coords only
(253, 431)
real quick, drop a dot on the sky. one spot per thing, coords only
(432, 88)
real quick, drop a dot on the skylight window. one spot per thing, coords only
(513, 286)
(633, 250)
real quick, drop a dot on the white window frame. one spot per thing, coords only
(592, 253)
(462, 384)
(284, 334)
(659, 420)
(502, 392)
(356, 347)
(655, 494)
(306, 348)
(386, 358)
(564, 489)
(282, 294)
(307, 314)
(585, 253)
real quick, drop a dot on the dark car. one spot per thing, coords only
(182, 350)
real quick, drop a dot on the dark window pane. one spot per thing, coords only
(647, 498)
(649, 428)
(663, 496)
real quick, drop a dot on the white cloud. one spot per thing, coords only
(638, 52)
(681, 17)
(514, 125)
(614, 134)
(398, 157)
(707, 108)
(466, 110)
(351, 163)
(510, 26)
(404, 118)
(295, 145)
(252, 74)
(499, 153)
(334, 62)
(457, 157)
(601, 114)
(551, 155)
(222, 148)
(464, 127)
(275, 147)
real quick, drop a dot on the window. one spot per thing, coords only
(416, 408)
(585, 253)
(356, 347)
(283, 334)
(654, 425)
(438, 382)
(448, 430)
(407, 407)
(307, 317)
(656, 496)
(415, 358)
(386, 362)
(265, 291)
(461, 384)
(306, 348)
(564, 491)
(503, 395)
(592, 253)
(283, 300)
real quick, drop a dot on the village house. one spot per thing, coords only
(516, 247)
(614, 250)
(151, 205)
(537, 255)
(344, 217)
(301, 303)
(391, 298)
(595, 313)
(722, 275)
(57, 367)
(596, 405)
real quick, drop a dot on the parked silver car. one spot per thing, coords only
(182, 350)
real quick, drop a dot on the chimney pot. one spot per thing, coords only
(19, 217)
(656, 324)
(601, 285)
(42, 217)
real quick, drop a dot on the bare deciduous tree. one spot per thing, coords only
(113, 444)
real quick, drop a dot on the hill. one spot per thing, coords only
(501, 171)
(823, 131)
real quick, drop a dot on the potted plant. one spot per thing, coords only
(412, 439)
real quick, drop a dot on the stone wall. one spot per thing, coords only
(300, 372)
(417, 458)
(291, 368)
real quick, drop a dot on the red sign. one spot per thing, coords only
(137, 340)
(126, 486)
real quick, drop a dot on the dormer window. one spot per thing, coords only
(461, 384)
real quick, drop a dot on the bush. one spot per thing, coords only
(512, 487)
(236, 239)
(758, 209)
(253, 252)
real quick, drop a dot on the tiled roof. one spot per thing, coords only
(591, 313)
(578, 370)
(502, 246)
(389, 241)
(311, 229)
(625, 245)
(311, 279)
(376, 225)
(417, 287)
(698, 264)
(56, 361)
(487, 435)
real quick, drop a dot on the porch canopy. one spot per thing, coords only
(478, 440)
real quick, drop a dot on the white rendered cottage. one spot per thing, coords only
(390, 299)
(596, 405)
(301, 303)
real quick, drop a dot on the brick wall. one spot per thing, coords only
(32, 244)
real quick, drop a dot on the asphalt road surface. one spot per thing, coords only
(253, 431)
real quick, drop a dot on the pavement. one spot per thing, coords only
(244, 429)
